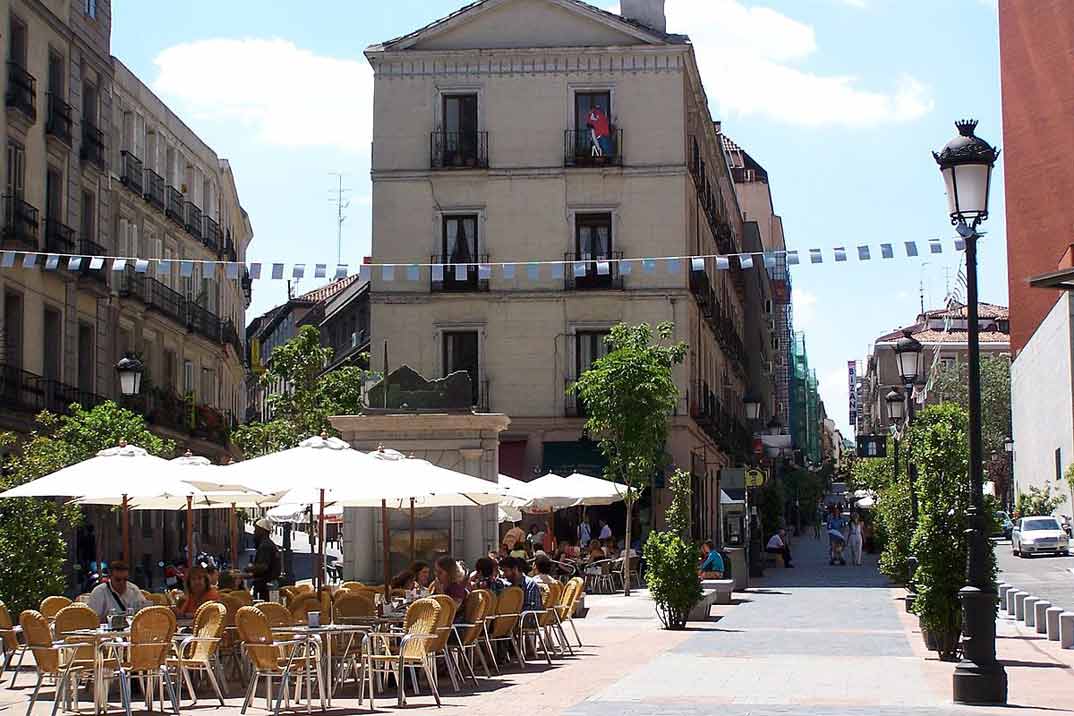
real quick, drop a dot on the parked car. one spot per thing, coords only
(1065, 523)
(1005, 524)
(1033, 535)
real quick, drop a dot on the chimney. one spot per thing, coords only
(647, 12)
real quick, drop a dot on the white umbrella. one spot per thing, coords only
(295, 512)
(551, 492)
(597, 491)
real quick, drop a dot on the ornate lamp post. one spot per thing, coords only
(966, 164)
(751, 401)
(130, 375)
(1008, 497)
(909, 358)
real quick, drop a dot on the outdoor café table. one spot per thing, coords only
(327, 634)
(100, 638)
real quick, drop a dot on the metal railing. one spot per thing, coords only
(132, 174)
(202, 321)
(59, 238)
(454, 280)
(21, 91)
(229, 249)
(28, 392)
(482, 398)
(582, 149)
(20, 223)
(92, 149)
(459, 150)
(212, 237)
(194, 221)
(230, 336)
(58, 118)
(164, 408)
(154, 189)
(587, 273)
(173, 207)
(166, 300)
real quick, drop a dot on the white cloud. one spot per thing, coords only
(804, 304)
(287, 95)
(861, 4)
(749, 59)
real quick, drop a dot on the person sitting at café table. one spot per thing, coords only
(199, 589)
(422, 575)
(514, 572)
(595, 550)
(117, 594)
(486, 576)
(519, 550)
(403, 580)
(711, 562)
(542, 569)
(449, 580)
(514, 536)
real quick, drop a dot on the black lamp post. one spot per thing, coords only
(751, 401)
(966, 164)
(909, 358)
(896, 406)
(1008, 497)
(130, 371)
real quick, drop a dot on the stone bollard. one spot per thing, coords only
(1029, 612)
(1066, 630)
(1003, 589)
(1020, 605)
(1010, 600)
(1040, 618)
(1051, 621)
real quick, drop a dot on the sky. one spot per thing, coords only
(841, 101)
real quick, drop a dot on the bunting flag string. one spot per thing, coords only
(460, 271)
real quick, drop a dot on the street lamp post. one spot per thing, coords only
(966, 164)
(908, 356)
(1008, 497)
(130, 371)
(751, 402)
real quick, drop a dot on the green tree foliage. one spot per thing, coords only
(1038, 501)
(941, 542)
(672, 558)
(308, 398)
(628, 395)
(892, 514)
(770, 502)
(33, 549)
(807, 489)
(951, 385)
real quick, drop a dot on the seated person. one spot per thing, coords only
(117, 594)
(487, 576)
(711, 562)
(449, 580)
(595, 550)
(199, 589)
(778, 545)
(404, 580)
(570, 550)
(542, 569)
(421, 573)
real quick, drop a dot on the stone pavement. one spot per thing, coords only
(811, 640)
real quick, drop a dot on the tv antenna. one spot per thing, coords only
(342, 202)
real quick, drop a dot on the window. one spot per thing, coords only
(593, 244)
(90, 8)
(55, 74)
(85, 357)
(461, 353)
(460, 239)
(594, 136)
(459, 141)
(1058, 464)
(168, 377)
(12, 330)
(208, 386)
(16, 170)
(54, 194)
(589, 346)
(188, 377)
(17, 42)
(89, 102)
(52, 346)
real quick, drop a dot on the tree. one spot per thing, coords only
(1038, 501)
(628, 395)
(672, 558)
(308, 397)
(893, 524)
(952, 385)
(33, 550)
(1069, 475)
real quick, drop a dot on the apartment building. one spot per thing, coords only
(96, 165)
(551, 130)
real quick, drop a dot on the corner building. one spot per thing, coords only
(483, 153)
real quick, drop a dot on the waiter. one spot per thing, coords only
(266, 565)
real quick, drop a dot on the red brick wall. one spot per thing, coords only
(1036, 40)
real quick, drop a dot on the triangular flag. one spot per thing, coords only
(387, 273)
(935, 247)
(255, 270)
(8, 259)
(364, 273)
(533, 271)
(508, 271)
(886, 251)
(96, 263)
(745, 261)
(484, 272)
(231, 270)
(557, 270)
(320, 270)
(723, 263)
(298, 272)
(792, 258)
(412, 273)
(186, 269)
(840, 253)
(460, 272)
(141, 265)
(863, 253)
(29, 260)
(604, 268)
(815, 256)
(52, 262)
(579, 269)
(697, 264)
(341, 271)
(277, 272)
(74, 263)
(437, 273)
(626, 267)
(911, 248)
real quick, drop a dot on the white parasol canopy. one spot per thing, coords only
(551, 492)
(597, 491)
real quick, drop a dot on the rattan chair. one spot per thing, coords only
(9, 639)
(412, 651)
(572, 592)
(72, 618)
(277, 614)
(52, 659)
(303, 605)
(501, 627)
(50, 606)
(302, 659)
(198, 651)
(146, 656)
(242, 597)
(157, 599)
(176, 596)
(438, 647)
(467, 634)
(352, 585)
(229, 651)
(535, 622)
(354, 606)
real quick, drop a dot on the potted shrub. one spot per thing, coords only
(672, 560)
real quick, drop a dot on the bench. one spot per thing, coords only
(713, 591)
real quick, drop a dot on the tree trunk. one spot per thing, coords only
(626, 545)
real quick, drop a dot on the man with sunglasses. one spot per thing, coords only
(116, 594)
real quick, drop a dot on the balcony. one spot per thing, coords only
(599, 274)
(459, 150)
(88, 249)
(202, 321)
(131, 172)
(579, 149)
(723, 426)
(173, 207)
(59, 238)
(701, 288)
(212, 237)
(174, 306)
(20, 224)
(193, 221)
(58, 119)
(27, 392)
(154, 189)
(459, 278)
(21, 91)
(92, 149)
(164, 408)
(229, 252)
(230, 336)
(725, 237)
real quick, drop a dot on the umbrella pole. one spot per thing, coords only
(320, 544)
(412, 555)
(189, 533)
(233, 528)
(126, 530)
(98, 537)
(550, 532)
(387, 551)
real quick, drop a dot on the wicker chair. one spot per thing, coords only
(50, 606)
(302, 658)
(535, 622)
(9, 639)
(502, 625)
(352, 585)
(176, 596)
(350, 607)
(277, 614)
(229, 651)
(146, 656)
(74, 617)
(52, 659)
(242, 597)
(572, 592)
(198, 652)
(419, 630)
(303, 605)
(157, 599)
(477, 607)
(438, 647)
(354, 606)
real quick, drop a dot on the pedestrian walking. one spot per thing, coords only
(837, 538)
(855, 539)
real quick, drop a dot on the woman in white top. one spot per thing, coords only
(855, 539)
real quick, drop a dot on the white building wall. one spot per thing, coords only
(1042, 408)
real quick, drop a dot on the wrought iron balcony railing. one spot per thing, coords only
(21, 92)
(154, 189)
(193, 221)
(173, 207)
(212, 236)
(132, 174)
(458, 277)
(20, 223)
(581, 148)
(459, 150)
(59, 238)
(589, 273)
(58, 118)
(92, 149)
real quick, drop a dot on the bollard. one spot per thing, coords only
(1003, 589)
(1029, 613)
(1040, 619)
(1051, 620)
(1020, 605)
(1010, 600)
(1066, 630)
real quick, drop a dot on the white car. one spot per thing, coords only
(1033, 535)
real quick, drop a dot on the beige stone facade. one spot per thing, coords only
(480, 129)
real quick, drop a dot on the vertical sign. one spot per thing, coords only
(852, 380)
